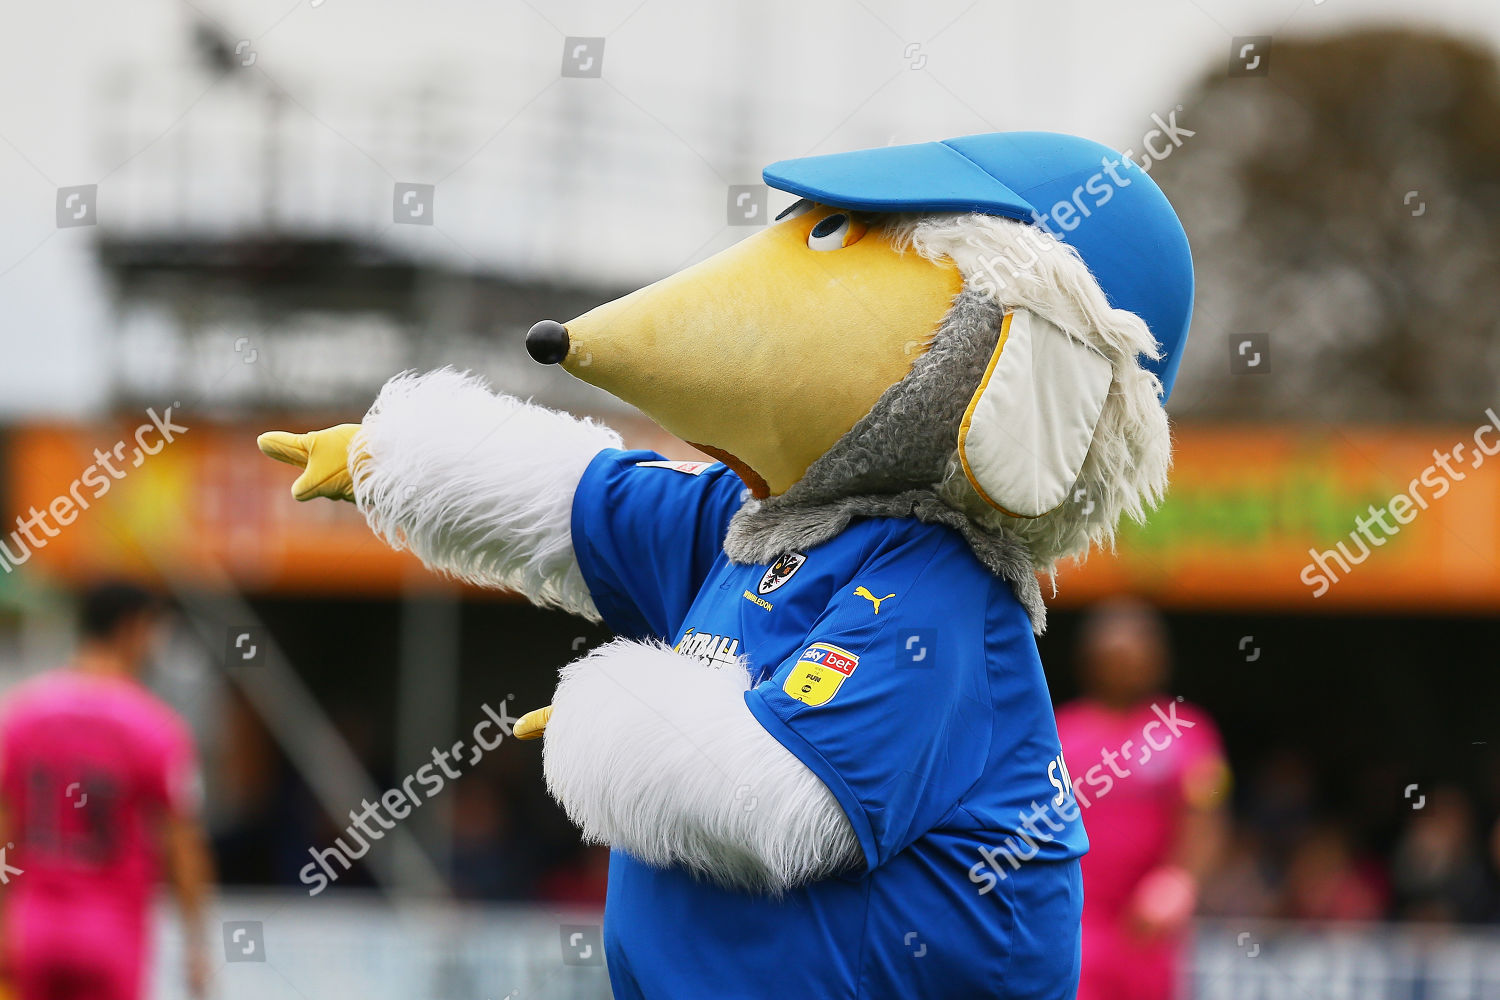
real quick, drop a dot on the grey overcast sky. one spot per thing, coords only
(620, 178)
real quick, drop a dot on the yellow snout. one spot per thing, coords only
(765, 354)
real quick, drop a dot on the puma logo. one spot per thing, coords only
(865, 593)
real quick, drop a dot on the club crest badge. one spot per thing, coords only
(780, 572)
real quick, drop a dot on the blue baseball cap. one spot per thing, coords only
(1083, 192)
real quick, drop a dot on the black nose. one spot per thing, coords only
(547, 342)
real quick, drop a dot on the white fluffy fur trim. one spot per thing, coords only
(1021, 266)
(653, 752)
(479, 485)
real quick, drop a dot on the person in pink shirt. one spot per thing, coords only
(98, 788)
(1149, 774)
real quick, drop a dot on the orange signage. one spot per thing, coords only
(1311, 518)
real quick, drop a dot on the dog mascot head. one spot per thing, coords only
(979, 332)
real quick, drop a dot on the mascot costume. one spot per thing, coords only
(821, 748)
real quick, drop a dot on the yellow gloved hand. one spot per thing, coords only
(531, 725)
(323, 457)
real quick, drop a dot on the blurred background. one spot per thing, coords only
(254, 212)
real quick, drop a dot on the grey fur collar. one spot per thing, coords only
(891, 461)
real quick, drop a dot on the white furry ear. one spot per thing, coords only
(1029, 425)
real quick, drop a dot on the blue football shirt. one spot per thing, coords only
(906, 677)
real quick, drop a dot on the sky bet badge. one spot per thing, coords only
(819, 672)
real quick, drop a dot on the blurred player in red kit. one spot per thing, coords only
(1149, 773)
(98, 787)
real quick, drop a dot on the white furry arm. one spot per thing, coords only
(478, 484)
(653, 752)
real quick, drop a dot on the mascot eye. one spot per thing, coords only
(799, 207)
(829, 233)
